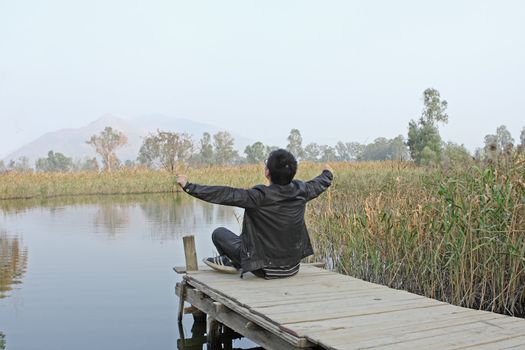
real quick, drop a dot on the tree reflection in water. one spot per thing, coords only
(198, 336)
(171, 216)
(168, 215)
(112, 217)
(13, 262)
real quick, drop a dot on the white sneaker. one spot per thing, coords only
(221, 263)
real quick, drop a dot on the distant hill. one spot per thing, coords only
(72, 142)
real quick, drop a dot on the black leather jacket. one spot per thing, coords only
(273, 231)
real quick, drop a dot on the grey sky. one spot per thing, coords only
(337, 70)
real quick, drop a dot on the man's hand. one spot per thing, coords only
(181, 180)
(329, 168)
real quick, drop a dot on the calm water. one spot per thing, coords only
(96, 272)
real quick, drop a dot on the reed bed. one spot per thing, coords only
(455, 234)
(13, 262)
(26, 185)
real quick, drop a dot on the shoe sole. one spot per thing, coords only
(221, 268)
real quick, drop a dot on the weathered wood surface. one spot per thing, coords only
(243, 325)
(190, 253)
(319, 308)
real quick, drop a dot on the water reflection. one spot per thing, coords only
(168, 216)
(13, 262)
(56, 203)
(82, 283)
(198, 337)
(2, 341)
(112, 217)
(59, 203)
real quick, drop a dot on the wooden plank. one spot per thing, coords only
(360, 301)
(315, 315)
(267, 288)
(376, 321)
(508, 320)
(243, 325)
(458, 339)
(251, 283)
(283, 300)
(302, 291)
(190, 253)
(245, 304)
(239, 294)
(263, 323)
(390, 329)
(304, 269)
(283, 294)
(514, 342)
(362, 309)
(310, 282)
(210, 276)
(444, 337)
(328, 306)
(342, 312)
(179, 269)
(305, 283)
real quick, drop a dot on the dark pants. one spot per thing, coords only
(229, 244)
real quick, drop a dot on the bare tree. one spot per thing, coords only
(166, 149)
(105, 145)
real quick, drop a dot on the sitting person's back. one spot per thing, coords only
(274, 237)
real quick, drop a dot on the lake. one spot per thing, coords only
(96, 272)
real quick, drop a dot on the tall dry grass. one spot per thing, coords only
(454, 234)
(25, 185)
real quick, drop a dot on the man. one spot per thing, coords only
(274, 237)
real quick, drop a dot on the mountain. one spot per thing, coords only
(72, 142)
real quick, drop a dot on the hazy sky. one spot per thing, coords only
(336, 70)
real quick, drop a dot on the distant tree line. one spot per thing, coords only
(426, 146)
(167, 150)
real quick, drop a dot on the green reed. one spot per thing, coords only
(455, 234)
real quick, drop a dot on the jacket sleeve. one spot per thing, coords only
(318, 184)
(238, 197)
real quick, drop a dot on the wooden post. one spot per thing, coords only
(190, 253)
(182, 296)
(214, 334)
(227, 338)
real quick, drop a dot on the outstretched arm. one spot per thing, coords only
(224, 195)
(319, 184)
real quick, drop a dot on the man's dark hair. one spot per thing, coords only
(282, 166)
